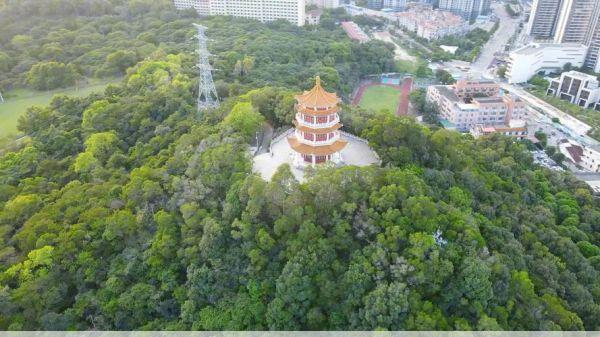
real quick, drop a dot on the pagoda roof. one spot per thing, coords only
(305, 128)
(317, 97)
(320, 112)
(322, 150)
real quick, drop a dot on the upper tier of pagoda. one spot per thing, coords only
(317, 99)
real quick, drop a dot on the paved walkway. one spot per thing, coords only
(357, 152)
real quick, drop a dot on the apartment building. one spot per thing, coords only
(262, 10)
(586, 157)
(516, 128)
(468, 104)
(355, 32)
(576, 20)
(525, 62)
(431, 24)
(467, 9)
(577, 88)
(324, 3)
(568, 21)
(313, 17)
(394, 4)
(542, 21)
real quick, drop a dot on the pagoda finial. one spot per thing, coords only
(318, 80)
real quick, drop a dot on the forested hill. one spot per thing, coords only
(43, 41)
(127, 210)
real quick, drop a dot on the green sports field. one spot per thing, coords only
(381, 97)
(17, 102)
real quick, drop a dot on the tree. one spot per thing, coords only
(502, 71)
(51, 75)
(118, 62)
(542, 138)
(99, 147)
(6, 63)
(244, 119)
(444, 77)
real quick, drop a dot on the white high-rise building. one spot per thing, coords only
(262, 10)
(568, 21)
(576, 20)
(542, 21)
(324, 3)
(394, 4)
(468, 9)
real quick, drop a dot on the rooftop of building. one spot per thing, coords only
(579, 75)
(492, 99)
(447, 92)
(533, 48)
(354, 31)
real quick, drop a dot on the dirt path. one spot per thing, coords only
(400, 53)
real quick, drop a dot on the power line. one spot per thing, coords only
(207, 93)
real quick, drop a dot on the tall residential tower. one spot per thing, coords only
(568, 21)
(542, 22)
(468, 9)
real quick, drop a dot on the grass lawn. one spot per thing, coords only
(17, 102)
(404, 66)
(381, 97)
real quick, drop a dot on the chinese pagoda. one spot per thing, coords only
(317, 138)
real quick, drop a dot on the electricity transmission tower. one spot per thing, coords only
(1, 98)
(207, 93)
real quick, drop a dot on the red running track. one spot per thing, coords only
(404, 94)
(405, 97)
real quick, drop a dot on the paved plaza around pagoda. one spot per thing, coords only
(357, 153)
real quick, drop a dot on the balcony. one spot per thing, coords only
(315, 125)
(330, 141)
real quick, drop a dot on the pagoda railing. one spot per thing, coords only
(283, 135)
(329, 141)
(317, 125)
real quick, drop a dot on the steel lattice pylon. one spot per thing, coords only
(207, 93)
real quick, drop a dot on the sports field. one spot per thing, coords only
(17, 102)
(378, 97)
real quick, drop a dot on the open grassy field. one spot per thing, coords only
(381, 97)
(17, 102)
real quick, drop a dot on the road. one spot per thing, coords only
(577, 128)
(508, 27)
(264, 138)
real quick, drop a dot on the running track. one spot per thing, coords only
(404, 94)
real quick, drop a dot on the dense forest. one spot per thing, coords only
(128, 210)
(53, 45)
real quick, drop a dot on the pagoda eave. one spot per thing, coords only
(321, 150)
(321, 112)
(305, 128)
